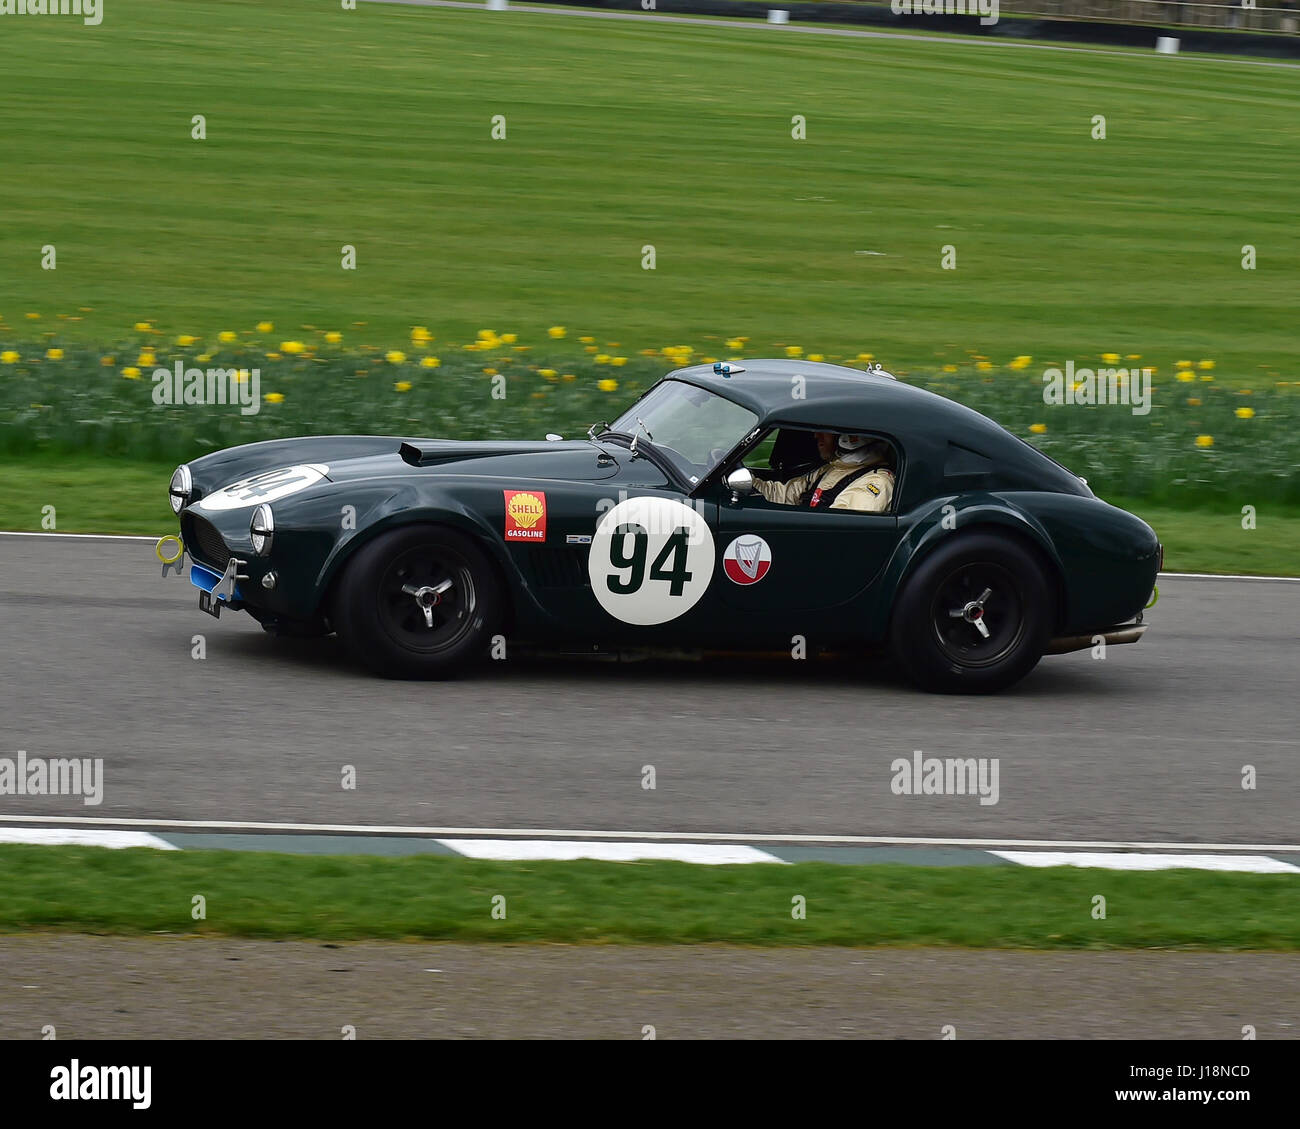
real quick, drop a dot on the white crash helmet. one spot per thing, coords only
(862, 448)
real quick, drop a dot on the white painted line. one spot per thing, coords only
(80, 837)
(646, 836)
(1226, 576)
(1109, 860)
(85, 536)
(713, 854)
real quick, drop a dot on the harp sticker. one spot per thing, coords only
(747, 559)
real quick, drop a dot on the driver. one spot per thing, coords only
(856, 476)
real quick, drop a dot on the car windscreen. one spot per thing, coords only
(691, 426)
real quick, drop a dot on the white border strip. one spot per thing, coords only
(81, 837)
(644, 836)
(90, 536)
(1110, 860)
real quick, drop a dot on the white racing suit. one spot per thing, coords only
(870, 492)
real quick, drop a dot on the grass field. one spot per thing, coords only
(373, 128)
(268, 895)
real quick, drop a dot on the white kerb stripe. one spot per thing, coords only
(80, 837)
(529, 850)
(1128, 860)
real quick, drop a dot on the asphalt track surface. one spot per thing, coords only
(1148, 745)
(206, 988)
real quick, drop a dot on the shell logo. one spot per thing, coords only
(525, 515)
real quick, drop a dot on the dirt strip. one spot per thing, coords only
(190, 988)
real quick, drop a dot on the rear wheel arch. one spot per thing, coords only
(1014, 530)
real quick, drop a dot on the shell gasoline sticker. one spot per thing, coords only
(525, 515)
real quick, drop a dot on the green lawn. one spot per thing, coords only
(247, 894)
(372, 128)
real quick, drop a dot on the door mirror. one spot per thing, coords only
(740, 482)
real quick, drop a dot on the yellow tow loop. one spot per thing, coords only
(158, 549)
(1155, 595)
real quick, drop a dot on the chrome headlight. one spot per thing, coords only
(180, 489)
(261, 529)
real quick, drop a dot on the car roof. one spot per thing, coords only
(838, 397)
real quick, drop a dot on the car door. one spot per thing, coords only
(775, 559)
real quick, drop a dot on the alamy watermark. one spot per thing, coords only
(90, 11)
(987, 10)
(53, 776)
(183, 385)
(1131, 387)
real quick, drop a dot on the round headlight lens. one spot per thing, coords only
(261, 529)
(180, 489)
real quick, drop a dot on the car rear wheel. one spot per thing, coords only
(419, 602)
(974, 617)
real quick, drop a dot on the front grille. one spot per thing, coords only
(205, 542)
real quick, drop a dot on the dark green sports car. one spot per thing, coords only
(427, 555)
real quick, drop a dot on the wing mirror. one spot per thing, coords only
(740, 482)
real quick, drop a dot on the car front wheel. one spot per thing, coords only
(418, 602)
(974, 617)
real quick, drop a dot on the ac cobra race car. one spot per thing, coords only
(648, 533)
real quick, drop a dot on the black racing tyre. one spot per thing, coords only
(973, 579)
(421, 601)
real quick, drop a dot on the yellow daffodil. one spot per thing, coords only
(146, 359)
(420, 335)
(557, 331)
(569, 376)
(984, 366)
(267, 327)
(1205, 440)
(586, 340)
(607, 385)
(274, 397)
(141, 326)
(589, 348)
(793, 351)
(1110, 358)
(539, 395)
(395, 357)
(333, 337)
(618, 362)
(1038, 428)
(203, 358)
(1193, 402)
(602, 358)
(1184, 376)
(1244, 413)
(1207, 364)
(1182, 364)
(490, 372)
(1132, 356)
(37, 317)
(735, 343)
(226, 336)
(293, 348)
(949, 368)
(402, 386)
(131, 372)
(509, 338)
(1207, 376)
(8, 357)
(429, 362)
(54, 354)
(816, 357)
(108, 362)
(272, 356)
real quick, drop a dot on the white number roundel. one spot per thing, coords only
(268, 486)
(651, 560)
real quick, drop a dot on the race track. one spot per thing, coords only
(1148, 745)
